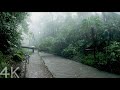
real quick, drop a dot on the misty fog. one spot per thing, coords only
(38, 21)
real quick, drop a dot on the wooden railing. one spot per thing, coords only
(29, 47)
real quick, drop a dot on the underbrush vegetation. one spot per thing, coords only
(12, 24)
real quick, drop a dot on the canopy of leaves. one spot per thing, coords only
(10, 34)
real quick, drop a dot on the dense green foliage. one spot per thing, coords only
(12, 24)
(10, 33)
(72, 36)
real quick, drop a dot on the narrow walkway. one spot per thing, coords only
(65, 68)
(36, 67)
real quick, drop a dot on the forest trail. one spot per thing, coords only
(65, 68)
(36, 67)
(44, 65)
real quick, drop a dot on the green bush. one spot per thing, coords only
(89, 60)
(101, 61)
(109, 61)
(113, 57)
(113, 50)
(7, 61)
(18, 56)
(46, 44)
(69, 52)
(4, 62)
(26, 51)
(78, 57)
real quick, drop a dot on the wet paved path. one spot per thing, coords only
(36, 68)
(65, 68)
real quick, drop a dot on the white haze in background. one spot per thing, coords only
(36, 25)
(33, 27)
(37, 17)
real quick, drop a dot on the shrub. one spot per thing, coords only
(18, 56)
(79, 57)
(4, 62)
(113, 50)
(46, 44)
(109, 61)
(100, 61)
(113, 57)
(69, 52)
(89, 60)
